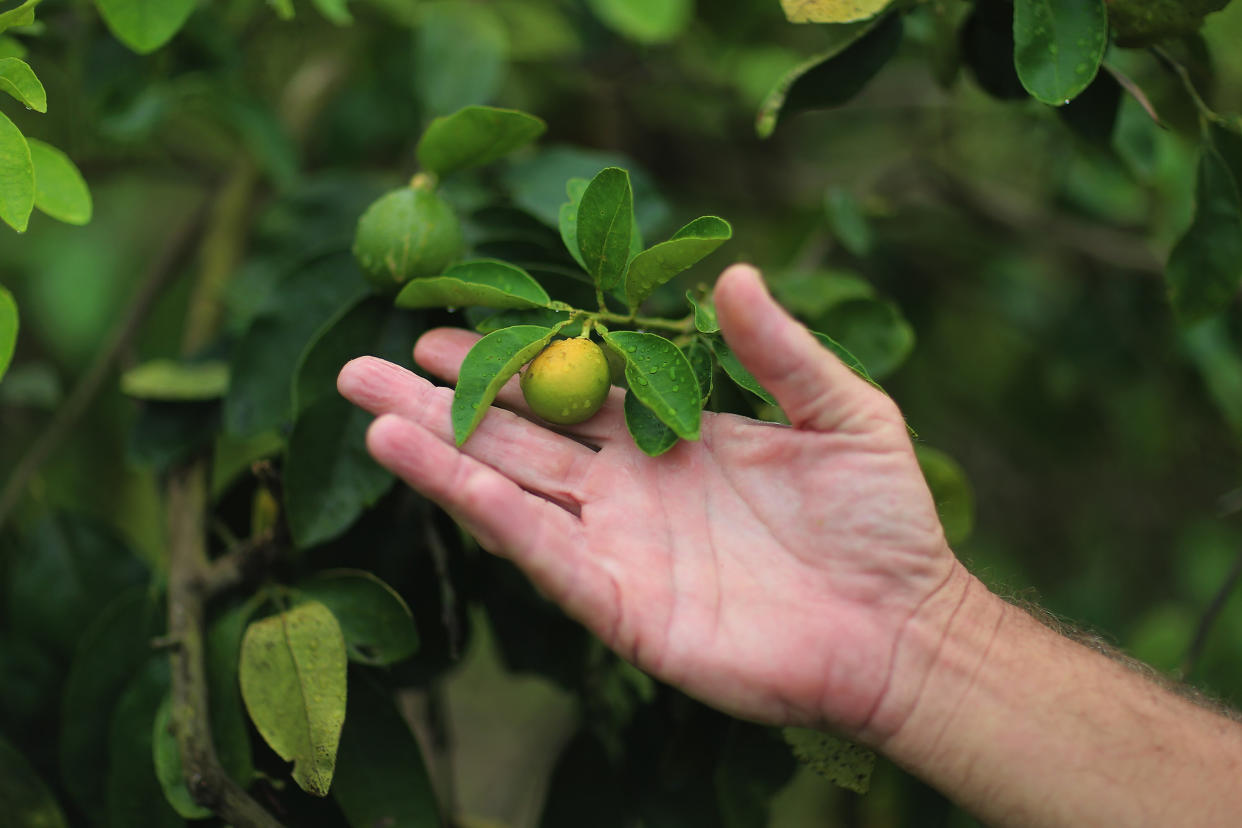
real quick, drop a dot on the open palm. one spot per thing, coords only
(770, 571)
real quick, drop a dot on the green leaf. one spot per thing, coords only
(229, 729)
(483, 282)
(308, 297)
(293, 682)
(811, 294)
(474, 136)
(649, 431)
(330, 477)
(704, 314)
(110, 651)
(487, 367)
(658, 264)
(847, 222)
(24, 797)
(381, 779)
(835, 75)
(8, 329)
(375, 620)
(832, 11)
(169, 380)
(19, 80)
(283, 8)
(336, 11)
(1205, 268)
(60, 190)
(832, 757)
(23, 15)
(568, 222)
(646, 21)
(661, 378)
(852, 362)
(63, 573)
(738, 372)
(875, 332)
(371, 327)
(134, 792)
(461, 52)
(145, 25)
(701, 359)
(950, 488)
(168, 769)
(605, 225)
(1058, 46)
(17, 177)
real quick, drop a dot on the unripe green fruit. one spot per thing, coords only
(405, 234)
(568, 382)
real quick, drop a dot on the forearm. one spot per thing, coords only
(1023, 726)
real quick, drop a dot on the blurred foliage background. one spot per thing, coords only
(1009, 258)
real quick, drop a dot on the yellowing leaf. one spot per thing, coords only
(832, 11)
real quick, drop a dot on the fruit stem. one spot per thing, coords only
(659, 323)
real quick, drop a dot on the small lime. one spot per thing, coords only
(568, 382)
(405, 234)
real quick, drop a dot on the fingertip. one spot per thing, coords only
(439, 347)
(350, 376)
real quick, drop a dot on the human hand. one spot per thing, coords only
(770, 571)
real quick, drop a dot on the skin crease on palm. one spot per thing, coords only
(770, 571)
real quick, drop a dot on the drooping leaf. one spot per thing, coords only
(474, 136)
(950, 488)
(568, 223)
(60, 190)
(302, 302)
(169, 380)
(23, 15)
(1204, 270)
(8, 329)
(375, 620)
(62, 575)
(17, 181)
(293, 682)
(832, 11)
(835, 75)
(110, 652)
(738, 372)
(605, 225)
(24, 796)
(649, 431)
(485, 282)
(168, 767)
(381, 779)
(704, 314)
(460, 55)
(487, 367)
(336, 11)
(840, 761)
(701, 359)
(661, 378)
(371, 327)
(658, 264)
(145, 25)
(229, 730)
(20, 81)
(134, 794)
(330, 478)
(646, 21)
(875, 332)
(1058, 46)
(847, 221)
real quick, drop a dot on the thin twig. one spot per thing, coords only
(159, 276)
(1208, 619)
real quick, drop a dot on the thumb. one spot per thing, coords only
(816, 390)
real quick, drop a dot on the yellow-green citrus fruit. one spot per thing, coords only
(405, 234)
(568, 382)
